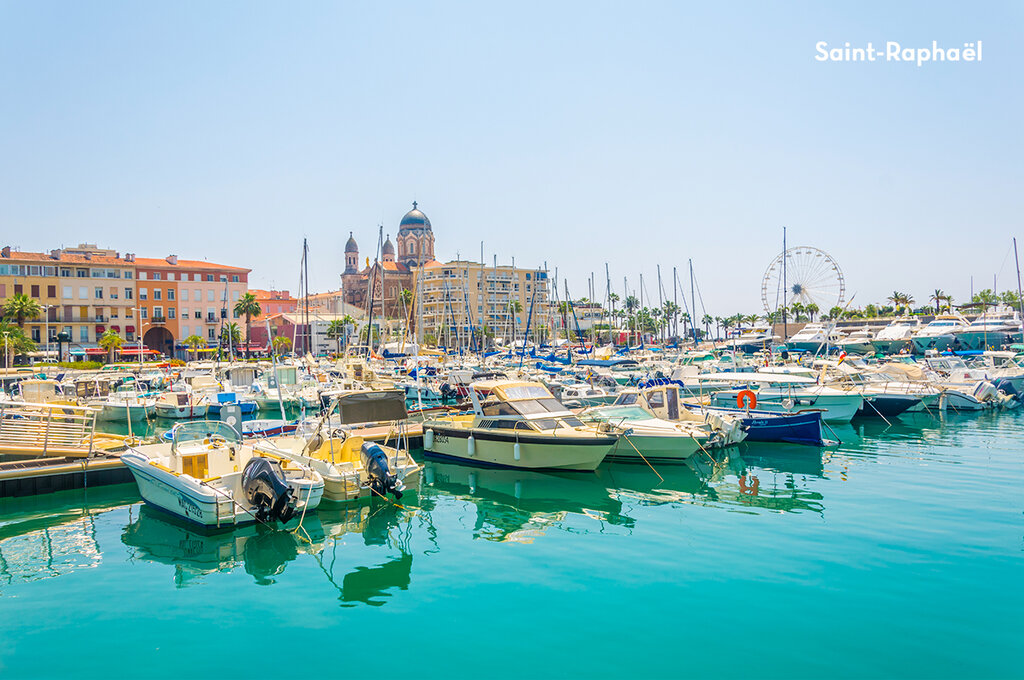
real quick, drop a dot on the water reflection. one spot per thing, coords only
(775, 477)
(44, 537)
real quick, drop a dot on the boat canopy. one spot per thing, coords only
(607, 363)
(748, 377)
(369, 407)
(200, 430)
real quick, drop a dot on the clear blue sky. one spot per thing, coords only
(572, 133)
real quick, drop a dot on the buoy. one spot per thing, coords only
(746, 399)
(471, 446)
(516, 451)
(428, 440)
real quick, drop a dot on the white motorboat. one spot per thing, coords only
(992, 329)
(896, 336)
(182, 405)
(941, 334)
(643, 436)
(787, 393)
(518, 425)
(121, 407)
(208, 476)
(857, 342)
(814, 337)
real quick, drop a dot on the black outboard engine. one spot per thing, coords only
(382, 480)
(264, 485)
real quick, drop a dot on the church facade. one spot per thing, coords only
(395, 271)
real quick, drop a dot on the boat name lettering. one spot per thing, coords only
(189, 506)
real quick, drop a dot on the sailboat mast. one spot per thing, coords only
(785, 290)
(1020, 299)
(693, 302)
(675, 303)
(305, 278)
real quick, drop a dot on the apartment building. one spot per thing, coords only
(461, 294)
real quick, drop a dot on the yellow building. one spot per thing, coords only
(458, 295)
(83, 291)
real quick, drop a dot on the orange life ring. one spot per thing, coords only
(746, 399)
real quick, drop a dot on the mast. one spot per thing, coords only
(1020, 300)
(661, 302)
(675, 303)
(305, 277)
(785, 290)
(610, 308)
(693, 304)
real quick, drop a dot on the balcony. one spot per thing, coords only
(158, 319)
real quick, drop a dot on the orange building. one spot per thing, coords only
(179, 298)
(275, 301)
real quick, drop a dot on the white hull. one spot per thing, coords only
(836, 408)
(537, 453)
(183, 412)
(120, 413)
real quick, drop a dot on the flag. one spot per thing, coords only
(842, 355)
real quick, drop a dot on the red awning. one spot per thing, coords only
(100, 328)
(130, 329)
(95, 350)
(115, 328)
(134, 351)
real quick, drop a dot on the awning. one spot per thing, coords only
(130, 329)
(134, 351)
(100, 328)
(95, 350)
(115, 328)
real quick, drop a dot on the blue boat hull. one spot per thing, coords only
(789, 428)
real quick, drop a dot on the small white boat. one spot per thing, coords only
(182, 405)
(206, 475)
(121, 407)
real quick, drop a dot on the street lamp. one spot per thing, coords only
(7, 356)
(46, 318)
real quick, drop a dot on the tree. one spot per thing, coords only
(110, 341)
(986, 297)
(21, 307)
(281, 344)
(798, 309)
(16, 341)
(336, 329)
(835, 313)
(707, 320)
(811, 310)
(194, 342)
(248, 307)
(1009, 298)
(231, 334)
(937, 297)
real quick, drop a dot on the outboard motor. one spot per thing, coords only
(264, 485)
(382, 480)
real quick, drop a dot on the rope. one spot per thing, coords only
(626, 437)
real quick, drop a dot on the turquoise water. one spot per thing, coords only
(900, 554)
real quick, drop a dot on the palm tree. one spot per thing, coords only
(194, 342)
(707, 319)
(231, 334)
(248, 307)
(811, 310)
(797, 308)
(612, 299)
(281, 343)
(15, 340)
(937, 296)
(21, 307)
(336, 329)
(515, 307)
(110, 341)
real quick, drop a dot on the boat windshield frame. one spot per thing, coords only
(199, 430)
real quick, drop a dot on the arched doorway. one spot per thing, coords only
(160, 340)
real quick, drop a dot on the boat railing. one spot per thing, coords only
(48, 429)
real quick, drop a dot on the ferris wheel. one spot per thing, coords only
(812, 276)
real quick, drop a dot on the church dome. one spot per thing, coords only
(350, 246)
(414, 219)
(389, 248)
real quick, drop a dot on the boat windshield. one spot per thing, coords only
(531, 407)
(620, 413)
(204, 429)
(527, 392)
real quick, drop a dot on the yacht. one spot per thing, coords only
(857, 342)
(941, 334)
(814, 337)
(992, 329)
(517, 424)
(207, 476)
(753, 339)
(896, 336)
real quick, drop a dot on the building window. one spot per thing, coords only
(143, 313)
(36, 335)
(18, 288)
(67, 293)
(184, 329)
(51, 291)
(65, 272)
(209, 333)
(209, 277)
(142, 276)
(184, 295)
(83, 293)
(198, 297)
(83, 334)
(158, 312)
(199, 314)
(234, 278)
(158, 294)
(98, 294)
(35, 291)
(82, 273)
(143, 293)
(171, 313)
(211, 296)
(170, 293)
(157, 276)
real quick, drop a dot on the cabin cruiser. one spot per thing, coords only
(992, 329)
(517, 424)
(585, 394)
(789, 394)
(753, 339)
(206, 475)
(351, 467)
(814, 337)
(941, 334)
(857, 342)
(896, 336)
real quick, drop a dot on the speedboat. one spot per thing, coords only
(788, 393)
(517, 424)
(351, 467)
(124, 406)
(857, 342)
(642, 436)
(751, 340)
(206, 475)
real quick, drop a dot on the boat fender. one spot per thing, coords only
(428, 440)
(263, 483)
(516, 451)
(746, 399)
(471, 446)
